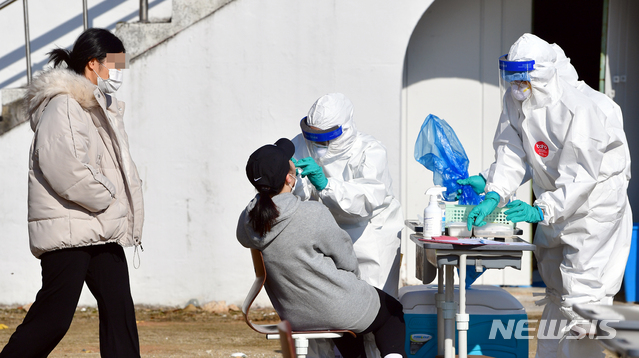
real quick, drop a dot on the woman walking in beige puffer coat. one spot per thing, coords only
(85, 199)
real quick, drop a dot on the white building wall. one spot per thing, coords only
(199, 104)
(19, 270)
(58, 24)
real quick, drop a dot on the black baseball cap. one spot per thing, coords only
(269, 165)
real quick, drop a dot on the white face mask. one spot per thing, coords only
(320, 149)
(520, 90)
(294, 185)
(111, 84)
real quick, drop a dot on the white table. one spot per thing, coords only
(445, 257)
(620, 333)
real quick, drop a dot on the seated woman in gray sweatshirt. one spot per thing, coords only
(312, 273)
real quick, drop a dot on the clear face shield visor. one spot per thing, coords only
(515, 75)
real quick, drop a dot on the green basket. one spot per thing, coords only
(459, 213)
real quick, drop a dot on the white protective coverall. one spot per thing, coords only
(570, 141)
(359, 192)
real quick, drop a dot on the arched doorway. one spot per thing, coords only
(451, 71)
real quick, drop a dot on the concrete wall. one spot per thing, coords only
(199, 104)
(59, 23)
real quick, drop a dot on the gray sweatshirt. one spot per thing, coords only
(311, 268)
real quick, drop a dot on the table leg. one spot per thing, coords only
(449, 314)
(462, 318)
(439, 303)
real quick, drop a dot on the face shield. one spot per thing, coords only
(319, 135)
(516, 76)
(320, 138)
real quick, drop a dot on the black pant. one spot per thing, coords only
(104, 269)
(388, 327)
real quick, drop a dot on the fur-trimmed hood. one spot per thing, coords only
(57, 81)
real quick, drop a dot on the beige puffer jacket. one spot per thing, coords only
(84, 188)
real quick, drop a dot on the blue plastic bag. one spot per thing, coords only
(439, 150)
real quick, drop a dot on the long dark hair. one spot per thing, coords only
(263, 215)
(93, 43)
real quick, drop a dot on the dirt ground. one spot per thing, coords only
(175, 333)
(164, 333)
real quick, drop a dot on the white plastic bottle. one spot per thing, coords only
(433, 213)
(442, 206)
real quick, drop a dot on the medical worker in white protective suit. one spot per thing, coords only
(347, 171)
(569, 139)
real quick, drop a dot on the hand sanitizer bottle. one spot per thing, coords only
(433, 213)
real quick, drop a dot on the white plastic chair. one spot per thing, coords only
(271, 330)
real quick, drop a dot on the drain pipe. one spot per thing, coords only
(144, 10)
(27, 44)
(604, 51)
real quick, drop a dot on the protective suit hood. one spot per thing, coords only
(544, 76)
(565, 69)
(330, 110)
(531, 47)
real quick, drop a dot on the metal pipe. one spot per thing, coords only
(449, 314)
(462, 317)
(144, 10)
(6, 3)
(439, 301)
(27, 42)
(85, 14)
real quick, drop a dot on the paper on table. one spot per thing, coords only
(470, 241)
(509, 243)
(453, 240)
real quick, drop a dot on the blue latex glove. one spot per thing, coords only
(485, 208)
(313, 171)
(521, 211)
(477, 182)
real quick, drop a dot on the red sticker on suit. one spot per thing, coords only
(541, 148)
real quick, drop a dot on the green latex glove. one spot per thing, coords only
(477, 182)
(521, 211)
(297, 171)
(485, 208)
(313, 171)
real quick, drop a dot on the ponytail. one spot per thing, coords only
(58, 56)
(263, 215)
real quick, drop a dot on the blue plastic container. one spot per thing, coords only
(485, 304)
(630, 276)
